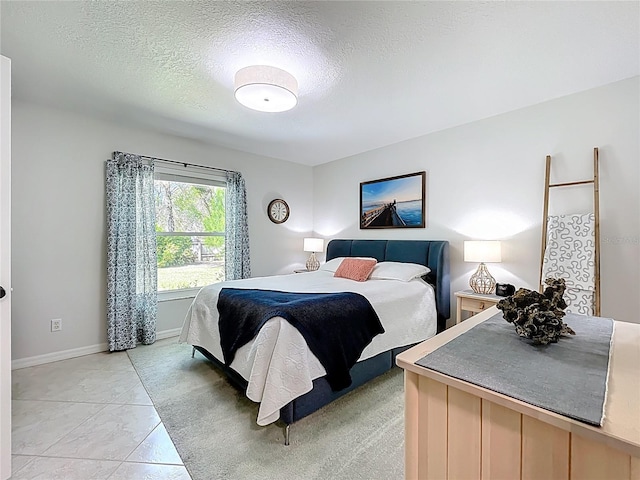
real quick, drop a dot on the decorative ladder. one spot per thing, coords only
(596, 211)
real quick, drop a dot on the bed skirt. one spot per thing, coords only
(321, 394)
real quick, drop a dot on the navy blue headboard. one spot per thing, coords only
(432, 253)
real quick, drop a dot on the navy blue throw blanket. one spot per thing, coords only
(336, 326)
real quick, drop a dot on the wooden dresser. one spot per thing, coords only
(457, 430)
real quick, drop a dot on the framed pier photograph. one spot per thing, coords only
(394, 202)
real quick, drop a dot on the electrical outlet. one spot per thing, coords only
(56, 324)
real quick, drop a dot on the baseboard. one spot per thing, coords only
(173, 332)
(57, 356)
(77, 352)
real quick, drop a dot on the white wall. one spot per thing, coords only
(486, 180)
(58, 222)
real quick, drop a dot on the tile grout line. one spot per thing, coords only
(104, 405)
(152, 404)
(154, 408)
(23, 466)
(93, 416)
(42, 455)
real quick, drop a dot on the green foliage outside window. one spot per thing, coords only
(189, 258)
(183, 207)
(173, 251)
(214, 222)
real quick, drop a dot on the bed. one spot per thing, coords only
(277, 368)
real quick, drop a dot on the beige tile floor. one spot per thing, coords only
(88, 418)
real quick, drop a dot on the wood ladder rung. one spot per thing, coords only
(583, 182)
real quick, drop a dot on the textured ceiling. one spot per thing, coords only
(369, 73)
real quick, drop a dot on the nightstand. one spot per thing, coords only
(473, 302)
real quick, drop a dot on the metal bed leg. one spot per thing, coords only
(193, 352)
(286, 435)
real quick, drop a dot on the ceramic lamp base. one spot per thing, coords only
(313, 263)
(482, 281)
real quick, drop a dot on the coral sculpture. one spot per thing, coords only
(538, 316)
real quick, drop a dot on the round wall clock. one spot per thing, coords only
(278, 211)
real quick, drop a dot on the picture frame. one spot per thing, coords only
(394, 202)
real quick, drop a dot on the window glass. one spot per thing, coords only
(190, 223)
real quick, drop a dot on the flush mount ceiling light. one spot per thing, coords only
(266, 89)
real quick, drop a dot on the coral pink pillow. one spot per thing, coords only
(357, 269)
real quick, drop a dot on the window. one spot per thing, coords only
(190, 224)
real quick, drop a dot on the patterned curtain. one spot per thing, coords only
(132, 299)
(237, 258)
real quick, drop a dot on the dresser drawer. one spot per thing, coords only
(475, 305)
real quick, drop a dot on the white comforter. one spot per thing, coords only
(277, 363)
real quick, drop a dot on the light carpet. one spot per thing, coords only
(213, 425)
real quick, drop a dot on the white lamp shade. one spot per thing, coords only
(482, 251)
(313, 244)
(266, 89)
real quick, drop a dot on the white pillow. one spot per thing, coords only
(333, 264)
(405, 272)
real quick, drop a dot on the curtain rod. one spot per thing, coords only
(186, 164)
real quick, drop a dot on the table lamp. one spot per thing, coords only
(313, 245)
(482, 251)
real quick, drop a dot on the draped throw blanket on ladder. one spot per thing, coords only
(570, 255)
(131, 252)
